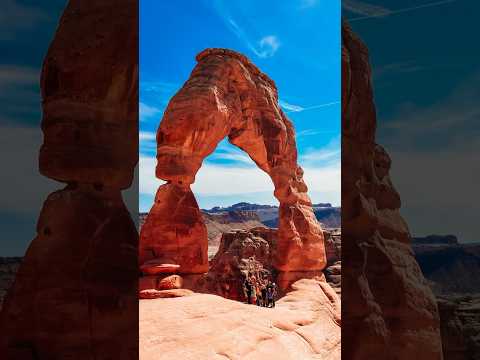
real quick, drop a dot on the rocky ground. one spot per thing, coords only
(303, 325)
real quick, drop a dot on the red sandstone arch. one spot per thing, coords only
(227, 96)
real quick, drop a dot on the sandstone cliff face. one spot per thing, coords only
(75, 295)
(227, 96)
(388, 310)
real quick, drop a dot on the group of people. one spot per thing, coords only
(260, 292)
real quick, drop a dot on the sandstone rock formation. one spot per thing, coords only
(460, 326)
(227, 96)
(388, 310)
(75, 293)
(241, 253)
(304, 325)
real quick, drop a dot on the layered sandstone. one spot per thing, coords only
(305, 325)
(227, 96)
(75, 295)
(388, 310)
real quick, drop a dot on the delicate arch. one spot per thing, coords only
(227, 96)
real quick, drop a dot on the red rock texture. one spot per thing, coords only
(75, 294)
(227, 96)
(174, 231)
(170, 282)
(153, 267)
(389, 312)
(241, 253)
(163, 294)
(305, 325)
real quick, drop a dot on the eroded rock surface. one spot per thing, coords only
(303, 325)
(241, 253)
(389, 312)
(227, 96)
(460, 326)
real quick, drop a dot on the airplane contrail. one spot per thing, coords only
(393, 12)
(313, 107)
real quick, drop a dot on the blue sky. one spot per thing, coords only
(280, 40)
(426, 79)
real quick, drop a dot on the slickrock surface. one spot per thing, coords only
(75, 293)
(389, 312)
(227, 96)
(304, 325)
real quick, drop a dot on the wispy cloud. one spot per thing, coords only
(368, 11)
(290, 107)
(146, 111)
(365, 9)
(15, 16)
(313, 132)
(233, 156)
(297, 108)
(403, 67)
(159, 86)
(18, 75)
(325, 156)
(266, 47)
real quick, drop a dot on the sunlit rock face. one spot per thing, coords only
(75, 293)
(389, 312)
(227, 96)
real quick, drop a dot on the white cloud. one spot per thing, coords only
(290, 107)
(268, 46)
(146, 136)
(146, 111)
